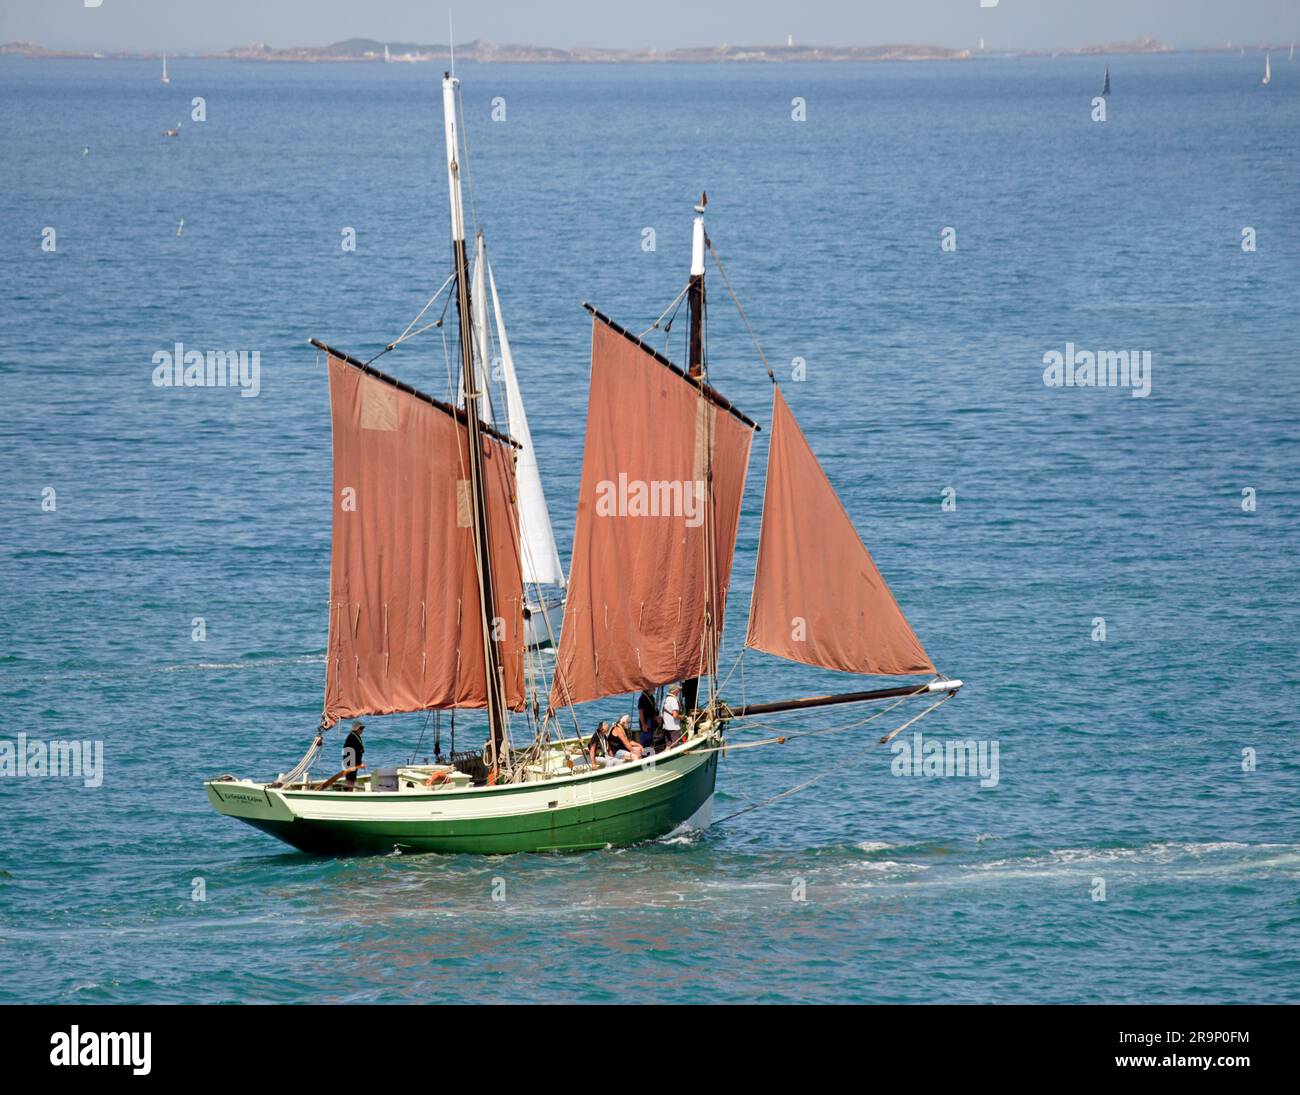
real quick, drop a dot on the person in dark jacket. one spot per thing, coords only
(647, 714)
(600, 748)
(353, 751)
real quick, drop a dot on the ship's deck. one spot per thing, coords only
(560, 758)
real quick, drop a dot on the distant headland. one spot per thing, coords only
(371, 50)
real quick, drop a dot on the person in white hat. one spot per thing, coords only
(672, 708)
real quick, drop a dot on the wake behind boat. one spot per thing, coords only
(439, 560)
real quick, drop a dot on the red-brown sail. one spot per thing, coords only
(644, 562)
(818, 597)
(405, 629)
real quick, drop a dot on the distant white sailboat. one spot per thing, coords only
(1268, 71)
(165, 78)
(1291, 56)
(387, 59)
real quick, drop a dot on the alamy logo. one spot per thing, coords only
(83, 760)
(78, 1047)
(182, 368)
(932, 758)
(1104, 369)
(657, 498)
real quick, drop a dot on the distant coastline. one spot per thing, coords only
(372, 50)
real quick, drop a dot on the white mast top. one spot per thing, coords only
(453, 157)
(697, 243)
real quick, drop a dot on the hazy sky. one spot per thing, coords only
(1020, 24)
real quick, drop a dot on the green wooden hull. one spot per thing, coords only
(563, 816)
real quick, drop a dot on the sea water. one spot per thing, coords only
(1113, 577)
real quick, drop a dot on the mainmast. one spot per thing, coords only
(471, 393)
(696, 368)
(695, 294)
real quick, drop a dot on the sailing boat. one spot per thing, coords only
(427, 593)
(1268, 71)
(1105, 87)
(165, 78)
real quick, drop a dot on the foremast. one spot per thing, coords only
(698, 369)
(498, 758)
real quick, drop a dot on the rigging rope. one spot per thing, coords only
(403, 336)
(780, 738)
(464, 136)
(834, 768)
(300, 769)
(685, 289)
(420, 740)
(408, 333)
(736, 300)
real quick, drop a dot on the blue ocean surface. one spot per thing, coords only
(1158, 768)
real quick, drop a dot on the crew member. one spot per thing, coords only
(353, 751)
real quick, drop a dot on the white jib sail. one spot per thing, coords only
(541, 558)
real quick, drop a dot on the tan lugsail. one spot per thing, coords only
(405, 630)
(646, 563)
(818, 597)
